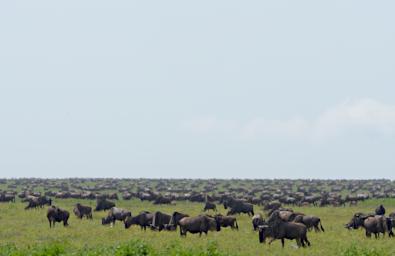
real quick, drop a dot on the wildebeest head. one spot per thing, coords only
(170, 227)
(356, 221)
(218, 222)
(129, 221)
(107, 220)
(264, 231)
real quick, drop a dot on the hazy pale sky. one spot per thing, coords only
(249, 89)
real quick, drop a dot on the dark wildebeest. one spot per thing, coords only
(238, 206)
(274, 205)
(257, 220)
(280, 229)
(55, 214)
(199, 224)
(116, 214)
(226, 221)
(35, 202)
(373, 224)
(310, 222)
(103, 204)
(80, 211)
(160, 220)
(144, 220)
(380, 210)
(162, 200)
(210, 206)
(175, 220)
(7, 198)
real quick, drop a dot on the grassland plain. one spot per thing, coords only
(27, 232)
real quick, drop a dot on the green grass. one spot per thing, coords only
(28, 233)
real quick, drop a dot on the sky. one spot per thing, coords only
(197, 89)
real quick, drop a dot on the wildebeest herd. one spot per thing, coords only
(274, 198)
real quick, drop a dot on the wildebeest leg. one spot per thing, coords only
(307, 241)
(200, 233)
(50, 224)
(300, 242)
(282, 242)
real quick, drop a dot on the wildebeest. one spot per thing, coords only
(226, 221)
(210, 206)
(144, 220)
(7, 198)
(380, 210)
(280, 229)
(175, 220)
(103, 204)
(162, 200)
(35, 202)
(274, 205)
(310, 222)
(238, 206)
(257, 220)
(160, 220)
(373, 224)
(55, 214)
(199, 224)
(116, 214)
(80, 211)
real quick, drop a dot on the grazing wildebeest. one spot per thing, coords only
(144, 220)
(35, 202)
(55, 214)
(280, 229)
(160, 220)
(373, 224)
(80, 211)
(310, 222)
(116, 214)
(238, 206)
(257, 220)
(226, 221)
(380, 210)
(210, 206)
(175, 220)
(103, 204)
(199, 224)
